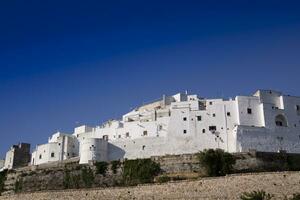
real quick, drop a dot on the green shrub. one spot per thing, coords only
(163, 179)
(2, 180)
(18, 185)
(139, 171)
(295, 197)
(87, 176)
(216, 162)
(293, 162)
(256, 195)
(114, 165)
(67, 179)
(101, 167)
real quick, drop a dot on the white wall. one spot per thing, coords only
(175, 128)
(9, 159)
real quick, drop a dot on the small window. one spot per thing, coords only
(68, 154)
(228, 114)
(184, 119)
(52, 155)
(249, 110)
(58, 144)
(184, 131)
(212, 128)
(119, 136)
(143, 147)
(105, 137)
(298, 109)
(40, 157)
(145, 133)
(210, 103)
(214, 115)
(127, 134)
(199, 118)
(203, 130)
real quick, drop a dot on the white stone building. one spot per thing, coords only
(59, 147)
(1, 165)
(266, 121)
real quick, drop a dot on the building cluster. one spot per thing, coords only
(266, 121)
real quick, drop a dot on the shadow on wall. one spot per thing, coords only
(115, 152)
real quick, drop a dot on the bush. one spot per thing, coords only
(256, 195)
(2, 179)
(114, 165)
(295, 197)
(216, 162)
(87, 176)
(67, 179)
(101, 167)
(18, 185)
(139, 171)
(163, 179)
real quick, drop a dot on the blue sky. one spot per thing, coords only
(64, 63)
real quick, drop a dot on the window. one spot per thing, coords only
(228, 114)
(184, 119)
(203, 130)
(210, 103)
(68, 154)
(58, 144)
(127, 134)
(40, 157)
(184, 131)
(143, 147)
(212, 128)
(119, 136)
(249, 110)
(199, 118)
(105, 137)
(145, 133)
(298, 109)
(214, 115)
(280, 120)
(52, 155)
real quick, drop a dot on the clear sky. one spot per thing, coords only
(66, 63)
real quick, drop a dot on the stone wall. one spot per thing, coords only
(279, 184)
(69, 174)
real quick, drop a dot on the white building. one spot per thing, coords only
(1, 165)
(266, 121)
(59, 147)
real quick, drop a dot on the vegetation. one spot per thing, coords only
(163, 179)
(2, 179)
(67, 179)
(256, 195)
(216, 162)
(139, 171)
(18, 185)
(87, 176)
(295, 197)
(114, 165)
(101, 167)
(293, 162)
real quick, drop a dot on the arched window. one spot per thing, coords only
(280, 120)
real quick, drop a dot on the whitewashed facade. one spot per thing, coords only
(60, 147)
(266, 121)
